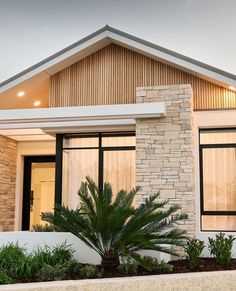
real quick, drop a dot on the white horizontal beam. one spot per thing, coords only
(67, 116)
(78, 116)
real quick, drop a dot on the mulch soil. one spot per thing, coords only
(204, 265)
(179, 266)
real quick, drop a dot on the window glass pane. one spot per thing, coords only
(77, 164)
(80, 142)
(119, 169)
(42, 191)
(216, 137)
(219, 179)
(118, 141)
(219, 222)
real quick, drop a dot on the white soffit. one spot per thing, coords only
(70, 116)
(25, 134)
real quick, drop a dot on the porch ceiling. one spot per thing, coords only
(25, 134)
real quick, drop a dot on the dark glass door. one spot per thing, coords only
(38, 189)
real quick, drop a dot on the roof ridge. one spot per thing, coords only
(129, 36)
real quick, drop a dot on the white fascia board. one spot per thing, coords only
(195, 70)
(54, 117)
(102, 37)
(57, 127)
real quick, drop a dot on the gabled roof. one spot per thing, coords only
(107, 35)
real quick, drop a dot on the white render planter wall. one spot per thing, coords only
(31, 240)
(83, 254)
(218, 281)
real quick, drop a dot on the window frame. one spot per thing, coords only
(101, 150)
(201, 170)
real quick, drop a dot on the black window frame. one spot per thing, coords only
(101, 149)
(201, 170)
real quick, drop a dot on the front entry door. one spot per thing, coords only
(38, 189)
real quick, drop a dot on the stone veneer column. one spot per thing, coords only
(164, 149)
(8, 151)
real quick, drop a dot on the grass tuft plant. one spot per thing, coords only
(4, 278)
(194, 250)
(52, 255)
(221, 248)
(12, 260)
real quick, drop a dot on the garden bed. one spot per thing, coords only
(179, 266)
(224, 280)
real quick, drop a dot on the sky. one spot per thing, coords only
(31, 30)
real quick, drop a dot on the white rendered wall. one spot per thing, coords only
(83, 254)
(30, 241)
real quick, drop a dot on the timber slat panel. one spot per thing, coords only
(111, 75)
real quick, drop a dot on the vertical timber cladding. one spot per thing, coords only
(111, 75)
(8, 150)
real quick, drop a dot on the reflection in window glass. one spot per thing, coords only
(119, 170)
(80, 142)
(42, 191)
(218, 179)
(82, 156)
(218, 137)
(219, 222)
(77, 164)
(118, 141)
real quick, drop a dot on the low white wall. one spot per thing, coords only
(30, 240)
(83, 254)
(214, 281)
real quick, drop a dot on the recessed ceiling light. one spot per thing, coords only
(232, 88)
(37, 103)
(20, 93)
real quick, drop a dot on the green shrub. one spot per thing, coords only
(25, 269)
(52, 273)
(90, 271)
(113, 227)
(12, 258)
(16, 265)
(52, 255)
(221, 248)
(194, 250)
(62, 253)
(4, 278)
(153, 265)
(59, 271)
(43, 228)
(72, 267)
(128, 267)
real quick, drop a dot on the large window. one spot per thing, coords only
(106, 157)
(218, 179)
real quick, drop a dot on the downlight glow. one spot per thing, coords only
(20, 93)
(37, 103)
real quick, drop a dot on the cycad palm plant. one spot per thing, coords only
(114, 227)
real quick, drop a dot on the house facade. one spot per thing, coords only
(125, 111)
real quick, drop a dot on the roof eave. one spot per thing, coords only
(107, 34)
